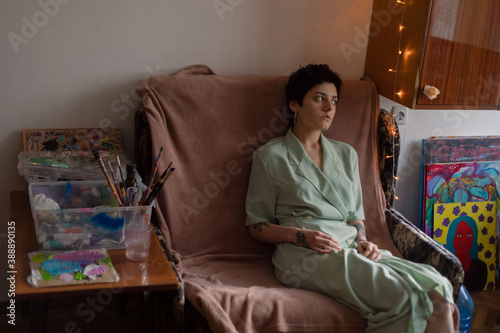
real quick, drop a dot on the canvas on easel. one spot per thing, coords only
(468, 230)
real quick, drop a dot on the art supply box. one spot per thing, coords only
(47, 166)
(76, 215)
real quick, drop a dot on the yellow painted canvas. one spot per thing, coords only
(468, 230)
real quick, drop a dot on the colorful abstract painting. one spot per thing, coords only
(74, 139)
(453, 149)
(66, 154)
(459, 182)
(468, 230)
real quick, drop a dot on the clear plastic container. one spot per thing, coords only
(78, 215)
(466, 308)
(51, 166)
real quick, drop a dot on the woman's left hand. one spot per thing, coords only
(369, 250)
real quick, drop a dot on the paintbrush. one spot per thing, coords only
(152, 177)
(103, 168)
(158, 187)
(122, 187)
(163, 175)
(114, 180)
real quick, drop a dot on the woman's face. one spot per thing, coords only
(318, 108)
(463, 237)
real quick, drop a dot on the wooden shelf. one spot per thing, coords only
(152, 274)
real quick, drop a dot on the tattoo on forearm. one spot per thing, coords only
(301, 239)
(361, 229)
(258, 226)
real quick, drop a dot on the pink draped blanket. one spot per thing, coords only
(209, 125)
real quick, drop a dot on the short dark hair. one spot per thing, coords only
(306, 78)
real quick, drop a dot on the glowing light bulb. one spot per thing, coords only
(407, 54)
(392, 70)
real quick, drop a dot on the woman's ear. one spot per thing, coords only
(293, 105)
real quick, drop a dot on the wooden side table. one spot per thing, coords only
(151, 275)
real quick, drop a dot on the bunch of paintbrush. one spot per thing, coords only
(118, 188)
(112, 185)
(154, 188)
(125, 197)
(158, 185)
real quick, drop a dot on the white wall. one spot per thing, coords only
(422, 124)
(75, 63)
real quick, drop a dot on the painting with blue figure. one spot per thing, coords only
(468, 230)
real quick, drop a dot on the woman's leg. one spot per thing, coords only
(443, 315)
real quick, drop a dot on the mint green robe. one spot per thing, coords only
(288, 189)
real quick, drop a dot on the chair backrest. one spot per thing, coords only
(209, 126)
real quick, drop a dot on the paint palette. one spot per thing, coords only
(55, 268)
(78, 215)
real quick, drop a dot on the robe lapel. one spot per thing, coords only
(324, 181)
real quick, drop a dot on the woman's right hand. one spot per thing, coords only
(316, 240)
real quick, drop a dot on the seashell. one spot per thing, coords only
(94, 270)
(66, 277)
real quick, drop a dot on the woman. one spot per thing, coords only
(304, 195)
(461, 240)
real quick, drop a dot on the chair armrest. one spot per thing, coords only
(416, 246)
(388, 153)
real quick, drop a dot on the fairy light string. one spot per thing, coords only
(396, 67)
(396, 92)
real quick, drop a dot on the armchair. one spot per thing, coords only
(209, 125)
